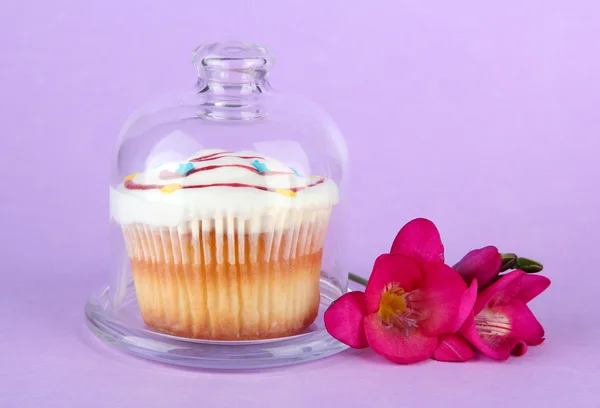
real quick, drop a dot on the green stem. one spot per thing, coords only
(357, 279)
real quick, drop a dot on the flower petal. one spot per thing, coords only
(482, 264)
(453, 347)
(395, 345)
(536, 342)
(531, 286)
(506, 321)
(390, 270)
(498, 351)
(518, 348)
(420, 240)
(505, 287)
(467, 301)
(438, 299)
(523, 324)
(344, 319)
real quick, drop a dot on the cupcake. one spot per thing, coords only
(225, 246)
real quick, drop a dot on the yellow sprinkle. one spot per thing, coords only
(169, 188)
(285, 192)
(131, 176)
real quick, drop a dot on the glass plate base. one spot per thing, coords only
(124, 328)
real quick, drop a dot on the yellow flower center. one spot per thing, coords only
(492, 326)
(394, 311)
(392, 305)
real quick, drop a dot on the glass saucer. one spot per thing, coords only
(124, 328)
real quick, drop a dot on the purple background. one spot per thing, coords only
(482, 117)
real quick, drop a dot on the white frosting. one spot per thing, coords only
(158, 208)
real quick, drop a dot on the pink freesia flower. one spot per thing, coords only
(419, 240)
(344, 320)
(482, 264)
(501, 322)
(411, 302)
(453, 347)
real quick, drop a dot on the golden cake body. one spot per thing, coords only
(225, 246)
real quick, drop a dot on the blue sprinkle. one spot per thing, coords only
(184, 168)
(295, 172)
(260, 166)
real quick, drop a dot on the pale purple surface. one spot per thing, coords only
(482, 117)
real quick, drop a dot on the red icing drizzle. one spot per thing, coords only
(271, 173)
(212, 157)
(130, 185)
(166, 174)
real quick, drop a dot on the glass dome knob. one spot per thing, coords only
(232, 79)
(234, 57)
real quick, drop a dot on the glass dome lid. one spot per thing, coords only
(227, 221)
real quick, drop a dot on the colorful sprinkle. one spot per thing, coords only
(295, 172)
(131, 176)
(286, 192)
(184, 168)
(260, 166)
(170, 188)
